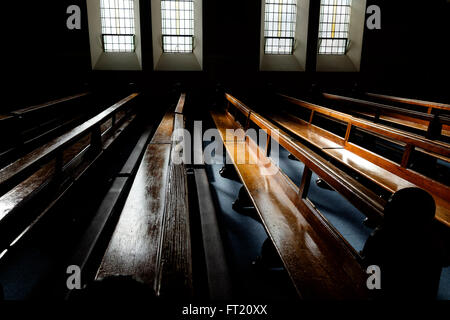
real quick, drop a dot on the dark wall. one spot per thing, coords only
(407, 56)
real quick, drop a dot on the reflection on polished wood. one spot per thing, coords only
(385, 173)
(50, 149)
(427, 104)
(415, 119)
(151, 241)
(318, 137)
(317, 262)
(134, 245)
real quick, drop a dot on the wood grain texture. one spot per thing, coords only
(165, 129)
(180, 106)
(174, 275)
(318, 137)
(133, 247)
(385, 173)
(436, 147)
(152, 241)
(319, 267)
(50, 149)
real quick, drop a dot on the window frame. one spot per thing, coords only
(101, 60)
(284, 28)
(287, 62)
(334, 23)
(351, 60)
(177, 61)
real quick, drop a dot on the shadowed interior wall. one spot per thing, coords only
(407, 56)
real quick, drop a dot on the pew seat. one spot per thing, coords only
(50, 170)
(151, 241)
(368, 169)
(317, 263)
(316, 136)
(133, 248)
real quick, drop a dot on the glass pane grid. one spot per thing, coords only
(334, 26)
(178, 44)
(281, 46)
(177, 17)
(117, 18)
(118, 43)
(279, 26)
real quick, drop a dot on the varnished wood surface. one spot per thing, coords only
(442, 210)
(437, 147)
(174, 274)
(180, 106)
(376, 174)
(422, 103)
(385, 108)
(23, 111)
(50, 149)
(360, 196)
(318, 137)
(383, 172)
(164, 132)
(151, 241)
(319, 267)
(133, 248)
(24, 190)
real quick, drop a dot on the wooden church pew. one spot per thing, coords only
(151, 241)
(385, 173)
(50, 170)
(85, 255)
(32, 109)
(320, 263)
(430, 107)
(432, 126)
(27, 127)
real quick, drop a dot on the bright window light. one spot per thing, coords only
(177, 18)
(279, 26)
(334, 26)
(118, 31)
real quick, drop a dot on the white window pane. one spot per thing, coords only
(279, 26)
(334, 26)
(117, 18)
